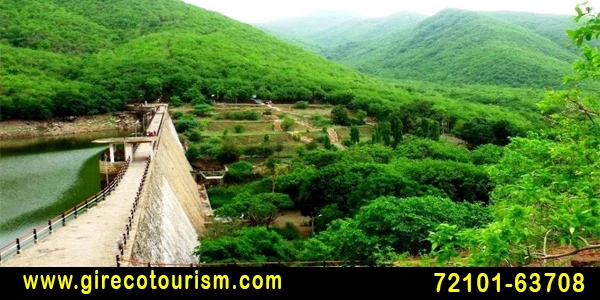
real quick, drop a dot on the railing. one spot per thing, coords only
(128, 226)
(60, 221)
(130, 219)
(323, 263)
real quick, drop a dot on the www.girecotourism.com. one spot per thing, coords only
(88, 283)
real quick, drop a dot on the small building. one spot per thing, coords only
(113, 160)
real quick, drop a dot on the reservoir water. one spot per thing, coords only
(42, 177)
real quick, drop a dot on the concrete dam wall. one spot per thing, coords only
(170, 216)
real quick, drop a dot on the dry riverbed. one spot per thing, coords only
(25, 129)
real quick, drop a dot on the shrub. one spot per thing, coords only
(288, 124)
(177, 115)
(301, 105)
(239, 128)
(319, 120)
(202, 110)
(290, 232)
(187, 123)
(239, 172)
(176, 101)
(195, 136)
(340, 116)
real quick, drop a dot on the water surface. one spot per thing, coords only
(42, 177)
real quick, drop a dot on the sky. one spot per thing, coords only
(259, 11)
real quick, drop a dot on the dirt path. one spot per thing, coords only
(334, 138)
(277, 124)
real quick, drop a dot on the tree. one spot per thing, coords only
(434, 130)
(203, 110)
(359, 118)
(266, 139)
(340, 116)
(274, 168)
(547, 191)
(396, 127)
(386, 133)
(257, 210)
(354, 135)
(327, 143)
(288, 124)
(239, 172)
(279, 147)
(250, 244)
(176, 101)
(376, 137)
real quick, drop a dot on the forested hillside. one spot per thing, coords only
(324, 31)
(63, 57)
(458, 47)
(75, 57)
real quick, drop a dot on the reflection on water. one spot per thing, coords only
(42, 177)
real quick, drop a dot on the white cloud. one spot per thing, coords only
(255, 11)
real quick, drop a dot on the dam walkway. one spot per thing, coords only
(93, 238)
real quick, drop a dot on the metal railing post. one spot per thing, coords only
(75, 209)
(63, 219)
(18, 246)
(35, 236)
(118, 261)
(49, 226)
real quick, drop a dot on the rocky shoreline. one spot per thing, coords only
(14, 129)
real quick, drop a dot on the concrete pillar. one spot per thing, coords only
(112, 152)
(128, 150)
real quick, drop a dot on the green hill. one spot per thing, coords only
(459, 47)
(467, 47)
(77, 57)
(71, 57)
(323, 31)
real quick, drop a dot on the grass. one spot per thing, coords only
(250, 127)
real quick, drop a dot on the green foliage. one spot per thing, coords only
(239, 128)
(256, 210)
(397, 131)
(487, 154)
(250, 115)
(290, 232)
(419, 148)
(327, 143)
(263, 151)
(288, 124)
(176, 115)
(340, 116)
(481, 131)
(359, 117)
(239, 172)
(354, 135)
(252, 244)
(187, 123)
(319, 121)
(301, 105)
(195, 136)
(175, 101)
(203, 110)
(404, 227)
(460, 181)
(547, 189)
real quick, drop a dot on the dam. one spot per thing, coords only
(151, 211)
